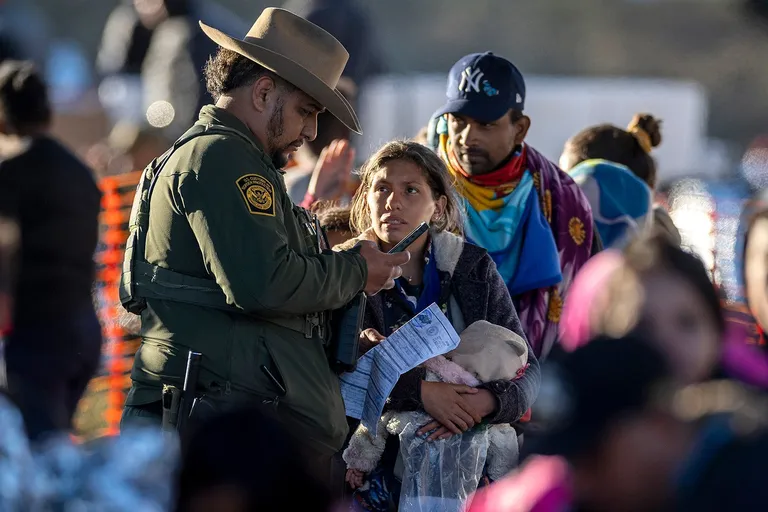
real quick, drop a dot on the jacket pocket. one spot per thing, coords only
(313, 397)
(252, 366)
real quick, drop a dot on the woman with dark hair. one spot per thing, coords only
(624, 150)
(54, 345)
(403, 185)
(747, 309)
(651, 285)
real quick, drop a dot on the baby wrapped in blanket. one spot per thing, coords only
(486, 352)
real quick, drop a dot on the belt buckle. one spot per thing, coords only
(311, 322)
(321, 325)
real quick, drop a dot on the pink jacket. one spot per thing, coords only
(540, 485)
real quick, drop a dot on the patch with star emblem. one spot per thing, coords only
(258, 193)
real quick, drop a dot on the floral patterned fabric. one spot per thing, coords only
(569, 215)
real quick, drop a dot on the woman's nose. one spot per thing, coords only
(393, 202)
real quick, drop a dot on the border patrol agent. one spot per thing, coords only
(221, 262)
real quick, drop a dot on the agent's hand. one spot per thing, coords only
(369, 338)
(331, 174)
(355, 478)
(447, 405)
(383, 268)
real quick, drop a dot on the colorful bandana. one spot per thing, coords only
(507, 221)
(621, 202)
(560, 206)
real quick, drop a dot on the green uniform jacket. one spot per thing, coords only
(219, 210)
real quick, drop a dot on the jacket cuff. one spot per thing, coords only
(507, 405)
(406, 396)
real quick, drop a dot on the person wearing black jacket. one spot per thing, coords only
(54, 343)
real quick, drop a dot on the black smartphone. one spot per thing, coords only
(412, 237)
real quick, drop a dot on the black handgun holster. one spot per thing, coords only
(171, 407)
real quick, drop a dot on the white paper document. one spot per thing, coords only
(365, 390)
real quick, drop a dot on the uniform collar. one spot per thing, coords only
(211, 114)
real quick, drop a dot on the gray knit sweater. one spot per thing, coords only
(477, 293)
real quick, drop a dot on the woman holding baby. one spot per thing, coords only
(403, 185)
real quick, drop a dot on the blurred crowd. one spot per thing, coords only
(602, 365)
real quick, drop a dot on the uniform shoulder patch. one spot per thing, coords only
(258, 193)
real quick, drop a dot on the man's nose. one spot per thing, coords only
(310, 128)
(468, 135)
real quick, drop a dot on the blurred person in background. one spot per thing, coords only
(54, 344)
(347, 21)
(404, 184)
(128, 148)
(747, 353)
(751, 261)
(531, 217)
(621, 202)
(159, 41)
(637, 441)
(321, 170)
(137, 145)
(335, 221)
(654, 285)
(25, 33)
(245, 461)
(630, 148)
(9, 248)
(421, 137)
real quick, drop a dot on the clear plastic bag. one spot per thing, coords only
(439, 476)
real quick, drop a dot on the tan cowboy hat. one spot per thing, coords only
(298, 51)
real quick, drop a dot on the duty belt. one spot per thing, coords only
(153, 282)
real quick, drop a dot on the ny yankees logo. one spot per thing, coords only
(470, 80)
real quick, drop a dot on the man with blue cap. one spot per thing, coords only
(531, 217)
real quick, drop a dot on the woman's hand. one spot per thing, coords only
(369, 338)
(483, 402)
(448, 405)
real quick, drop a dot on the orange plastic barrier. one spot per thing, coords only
(119, 345)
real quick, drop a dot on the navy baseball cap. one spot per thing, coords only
(483, 86)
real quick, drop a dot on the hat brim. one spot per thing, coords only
(294, 73)
(470, 109)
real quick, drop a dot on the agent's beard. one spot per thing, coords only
(274, 132)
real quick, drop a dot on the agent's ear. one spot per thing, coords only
(263, 92)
